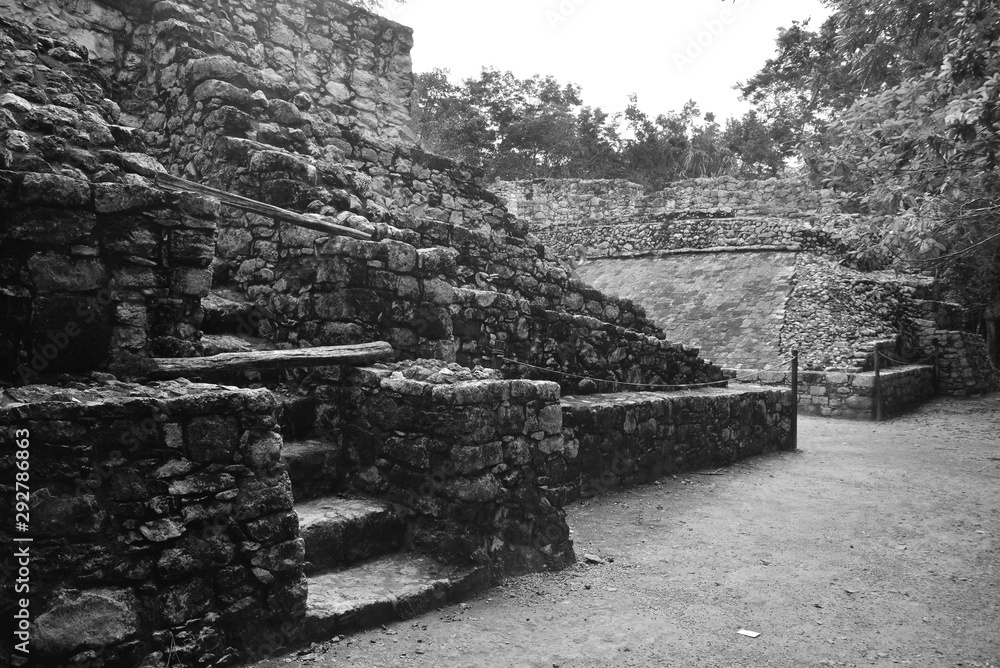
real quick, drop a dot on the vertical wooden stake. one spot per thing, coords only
(795, 400)
(877, 409)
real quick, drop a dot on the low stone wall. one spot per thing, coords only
(162, 523)
(629, 438)
(462, 452)
(964, 365)
(98, 275)
(663, 233)
(578, 202)
(851, 395)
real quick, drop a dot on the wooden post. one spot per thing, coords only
(795, 400)
(361, 353)
(170, 182)
(937, 375)
(877, 393)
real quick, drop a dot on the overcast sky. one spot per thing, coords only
(665, 51)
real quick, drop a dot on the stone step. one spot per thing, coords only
(312, 468)
(397, 586)
(296, 414)
(227, 311)
(340, 532)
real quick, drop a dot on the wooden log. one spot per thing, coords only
(176, 367)
(171, 182)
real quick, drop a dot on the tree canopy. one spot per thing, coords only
(538, 127)
(896, 103)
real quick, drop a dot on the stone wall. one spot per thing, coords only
(666, 233)
(851, 395)
(352, 64)
(463, 452)
(577, 351)
(963, 363)
(568, 203)
(629, 438)
(98, 275)
(730, 306)
(161, 521)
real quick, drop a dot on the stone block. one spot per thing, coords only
(482, 489)
(52, 272)
(91, 618)
(475, 458)
(192, 282)
(475, 392)
(54, 190)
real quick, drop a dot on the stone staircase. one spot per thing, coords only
(359, 570)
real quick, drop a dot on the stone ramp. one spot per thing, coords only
(730, 305)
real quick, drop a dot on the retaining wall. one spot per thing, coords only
(581, 202)
(98, 275)
(851, 395)
(629, 438)
(464, 454)
(162, 521)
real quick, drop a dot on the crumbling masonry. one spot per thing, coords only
(203, 521)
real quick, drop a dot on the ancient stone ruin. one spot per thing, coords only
(271, 372)
(750, 271)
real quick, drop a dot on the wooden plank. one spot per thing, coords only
(362, 353)
(171, 182)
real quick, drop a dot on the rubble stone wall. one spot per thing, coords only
(852, 395)
(963, 362)
(664, 233)
(463, 453)
(353, 63)
(98, 275)
(568, 203)
(162, 521)
(315, 290)
(576, 351)
(630, 438)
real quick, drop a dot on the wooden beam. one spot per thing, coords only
(362, 353)
(171, 182)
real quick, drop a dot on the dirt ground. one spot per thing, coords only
(875, 544)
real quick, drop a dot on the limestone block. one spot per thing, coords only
(51, 272)
(54, 190)
(92, 618)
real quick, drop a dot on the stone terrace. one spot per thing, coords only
(312, 500)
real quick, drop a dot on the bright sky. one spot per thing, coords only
(666, 51)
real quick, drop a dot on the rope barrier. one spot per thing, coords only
(896, 361)
(674, 386)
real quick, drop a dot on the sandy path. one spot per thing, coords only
(873, 545)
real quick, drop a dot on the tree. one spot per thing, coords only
(759, 148)
(514, 128)
(917, 146)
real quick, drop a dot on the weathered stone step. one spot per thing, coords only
(398, 586)
(312, 468)
(227, 311)
(340, 532)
